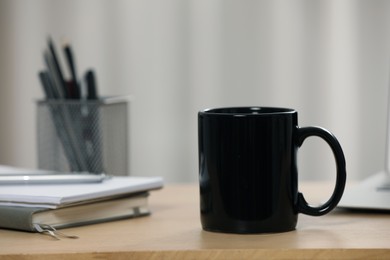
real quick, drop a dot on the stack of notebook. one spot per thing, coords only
(40, 208)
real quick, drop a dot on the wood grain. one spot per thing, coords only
(173, 231)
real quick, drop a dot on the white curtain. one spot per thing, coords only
(329, 59)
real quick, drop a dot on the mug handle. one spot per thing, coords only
(302, 205)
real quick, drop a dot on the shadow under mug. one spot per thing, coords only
(248, 169)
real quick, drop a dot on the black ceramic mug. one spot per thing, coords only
(248, 169)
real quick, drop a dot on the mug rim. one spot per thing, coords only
(247, 111)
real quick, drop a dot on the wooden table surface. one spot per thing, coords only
(173, 231)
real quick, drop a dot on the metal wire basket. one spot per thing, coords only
(88, 135)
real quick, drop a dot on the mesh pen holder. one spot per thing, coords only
(83, 135)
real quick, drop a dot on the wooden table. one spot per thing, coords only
(173, 231)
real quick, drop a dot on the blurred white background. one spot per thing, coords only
(329, 59)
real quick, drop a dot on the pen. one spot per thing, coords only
(57, 89)
(74, 89)
(52, 179)
(66, 128)
(73, 125)
(93, 135)
(91, 85)
(46, 84)
(58, 116)
(57, 69)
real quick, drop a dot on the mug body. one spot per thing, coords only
(247, 169)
